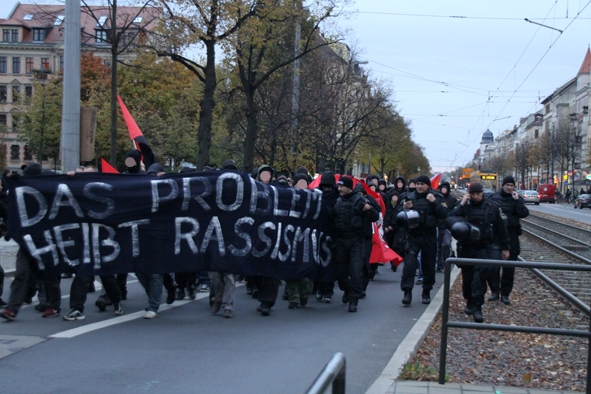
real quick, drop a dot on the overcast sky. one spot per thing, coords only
(459, 67)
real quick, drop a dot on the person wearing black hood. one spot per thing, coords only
(400, 185)
(330, 194)
(369, 270)
(513, 208)
(423, 238)
(443, 234)
(394, 235)
(411, 187)
(266, 288)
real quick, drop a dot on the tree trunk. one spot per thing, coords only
(207, 106)
(251, 130)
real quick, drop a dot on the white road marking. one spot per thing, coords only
(74, 332)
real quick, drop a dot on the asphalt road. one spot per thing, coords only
(563, 210)
(188, 350)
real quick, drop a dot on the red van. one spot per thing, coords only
(546, 192)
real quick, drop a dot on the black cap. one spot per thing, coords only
(229, 165)
(423, 179)
(475, 187)
(508, 179)
(346, 181)
(327, 179)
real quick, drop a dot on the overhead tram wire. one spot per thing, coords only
(542, 58)
(450, 16)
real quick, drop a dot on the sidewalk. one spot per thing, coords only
(386, 383)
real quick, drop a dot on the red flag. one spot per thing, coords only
(136, 135)
(106, 167)
(380, 251)
(435, 181)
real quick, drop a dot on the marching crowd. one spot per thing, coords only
(418, 223)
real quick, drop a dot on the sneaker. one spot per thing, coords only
(352, 307)
(8, 314)
(216, 304)
(318, 296)
(292, 305)
(228, 313)
(265, 310)
(150, 315)
(327, 299)
(118, 309)
(74, 315)
(170, 297)
(51, 312)
(180, 294)
(191, 291)
(204, 288)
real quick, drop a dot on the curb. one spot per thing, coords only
(411, 343)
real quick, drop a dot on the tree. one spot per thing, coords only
(121, 31)
(203, 24)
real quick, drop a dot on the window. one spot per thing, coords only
(28, 17)
(29, 91)
(29, 65)
(16, 91)
(15, 116)
(38, 35)
(3, 90)
(536, 133)
(101, 37)
(138, 19)
(15, 152)
(27, 153)
(61, 62)
(44, 63)
(2, 121)
(3, 62)
(101, 21)
(14, 35)
(16, 65)
(6, 35)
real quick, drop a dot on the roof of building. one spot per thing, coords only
(487, 137)
(586, 66)
(51, 17)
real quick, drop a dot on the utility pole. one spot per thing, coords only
(70, 139)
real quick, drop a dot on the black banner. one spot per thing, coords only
(213, 220)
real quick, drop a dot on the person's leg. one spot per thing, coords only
(18, 287)
(229, 287)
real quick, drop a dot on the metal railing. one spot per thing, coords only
(333, 374)
(446, 324)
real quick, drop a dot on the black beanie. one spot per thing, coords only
(229, 165)
(328, 179)
(424, 179)
(508, 179)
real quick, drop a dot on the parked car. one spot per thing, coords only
(531, 197)
(583, 201)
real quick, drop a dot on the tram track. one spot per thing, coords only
(547, 240)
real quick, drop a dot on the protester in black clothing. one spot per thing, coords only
(484, 216)
(349, 214)
(513, 207)
(400, 185)
(443, 234)
(324, 288)
(369, 270)
(423, 238)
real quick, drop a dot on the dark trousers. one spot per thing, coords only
(168, 283)
(443, 246)
(503, 277)
(426, 244)
(474, 277)
(1, 281)
(25, 264)
(369, 270)
(268, 289)
(185, 280)
(349, 266)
